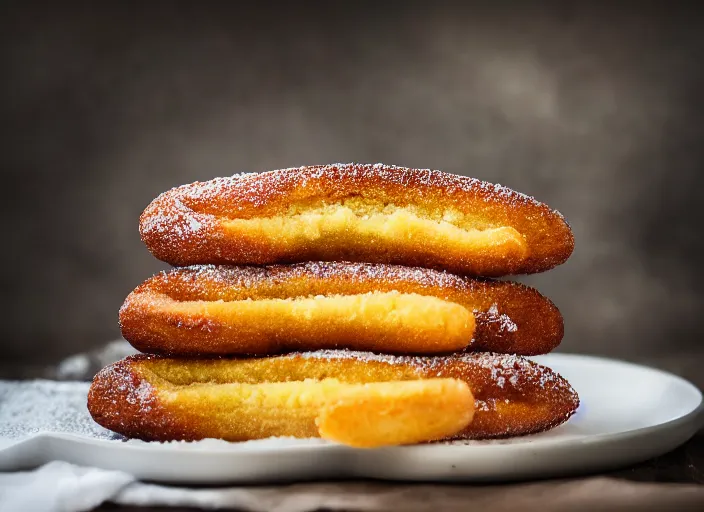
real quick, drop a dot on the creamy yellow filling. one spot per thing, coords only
(295, 394)
(390, 311)
(365, 207)
(254, 371)
(389, 223)
(309, 393)
(363, 415)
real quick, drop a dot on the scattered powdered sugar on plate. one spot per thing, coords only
(30, 408)
(41, 406)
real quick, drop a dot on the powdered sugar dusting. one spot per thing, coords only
(178, 223)
(174, 215)
(504, 322)
(249, 277)
(402, 176)
(41, 406)
(256, 185)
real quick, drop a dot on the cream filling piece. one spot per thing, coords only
(391, 224)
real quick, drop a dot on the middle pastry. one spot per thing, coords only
(224, 310)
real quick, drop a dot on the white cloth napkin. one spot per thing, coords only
(60, 487)
(63, 487)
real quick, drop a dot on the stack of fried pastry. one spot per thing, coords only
(349, 302)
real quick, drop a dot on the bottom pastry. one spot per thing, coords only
(356, 398)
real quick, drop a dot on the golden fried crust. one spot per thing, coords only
(156, 398)
(354, 212)
(212, 310)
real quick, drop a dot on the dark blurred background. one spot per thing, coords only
(594, 109)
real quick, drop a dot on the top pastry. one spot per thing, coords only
(357, 212)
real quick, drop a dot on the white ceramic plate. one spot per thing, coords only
(629, 413)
